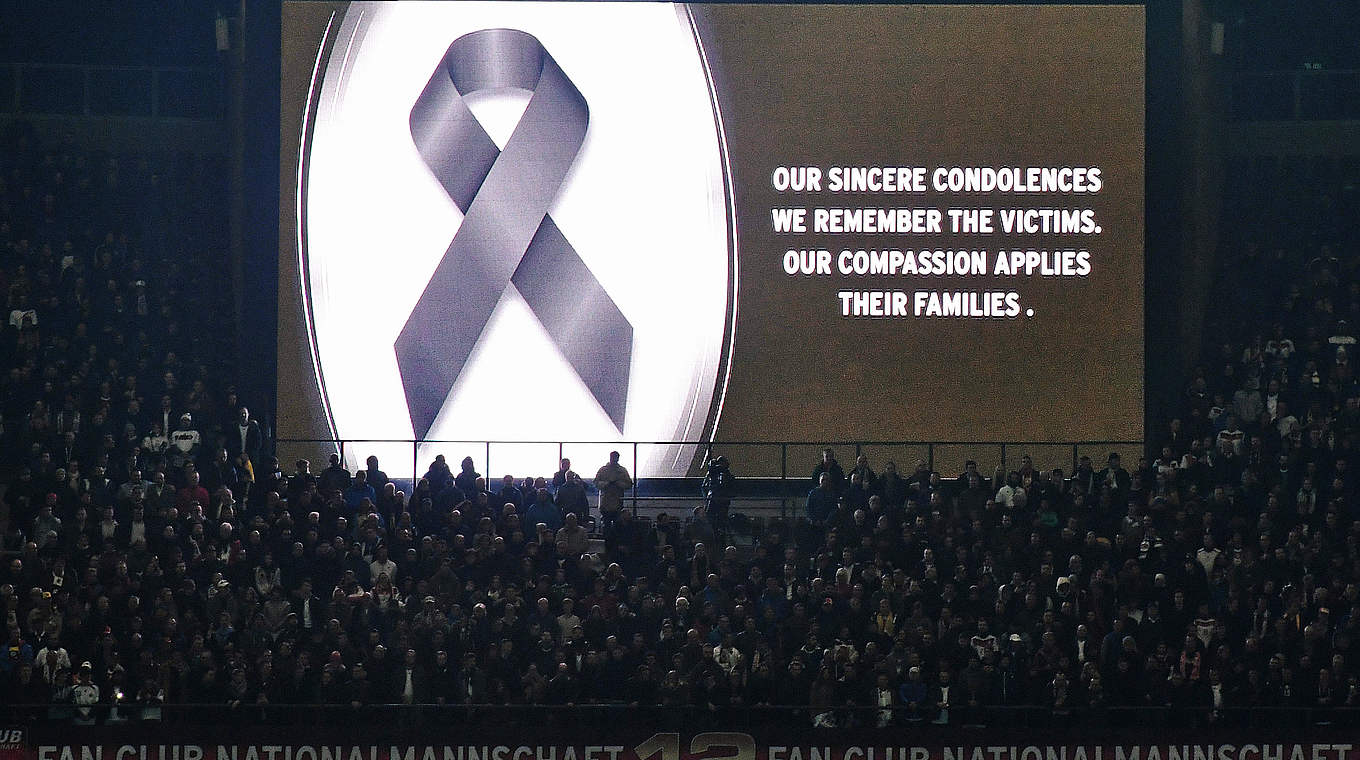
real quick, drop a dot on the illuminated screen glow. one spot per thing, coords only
(377, 223)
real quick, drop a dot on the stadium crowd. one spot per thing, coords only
(157, 553)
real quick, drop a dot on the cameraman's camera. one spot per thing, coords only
(717, 487)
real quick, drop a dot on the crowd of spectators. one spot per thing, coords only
(157, 553)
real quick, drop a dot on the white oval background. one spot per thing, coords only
(644, 206)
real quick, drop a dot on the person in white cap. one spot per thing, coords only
(84, 694)
(913, 693)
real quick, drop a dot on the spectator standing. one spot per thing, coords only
(245, 437)
(563, 474)
(466, 481)
(185, 442)
(376, 478)
(84, 694)
(829, 466)
(571, 497)
(612, 480)
(821, 500)
(334, 478)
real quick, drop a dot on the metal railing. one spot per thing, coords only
(765, 469)
(157, 92)
(806, 452)
(1299, 95)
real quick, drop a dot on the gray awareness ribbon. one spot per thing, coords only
(506, 235)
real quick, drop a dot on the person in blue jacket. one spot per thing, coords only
(543, 510)
(821, 501)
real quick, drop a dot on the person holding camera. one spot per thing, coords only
(717, 490)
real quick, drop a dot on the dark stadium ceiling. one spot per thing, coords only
(1272, 35)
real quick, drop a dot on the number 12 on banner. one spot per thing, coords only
(739, 746)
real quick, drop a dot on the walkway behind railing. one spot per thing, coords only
(769, 470)
(1299, 95)
(156, 92)
(781, 460)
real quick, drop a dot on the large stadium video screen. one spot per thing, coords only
(606, 222)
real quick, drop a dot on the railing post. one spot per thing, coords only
(1003, 456)
(415, 464)
(784, 481)
(636, 474)
(342, 452)
(1074, 459)
(559, 456)
(488, 464)
(1297, 81)
(930, 456)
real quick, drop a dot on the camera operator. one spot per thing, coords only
(717, 490)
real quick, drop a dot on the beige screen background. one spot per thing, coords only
(301, 413)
